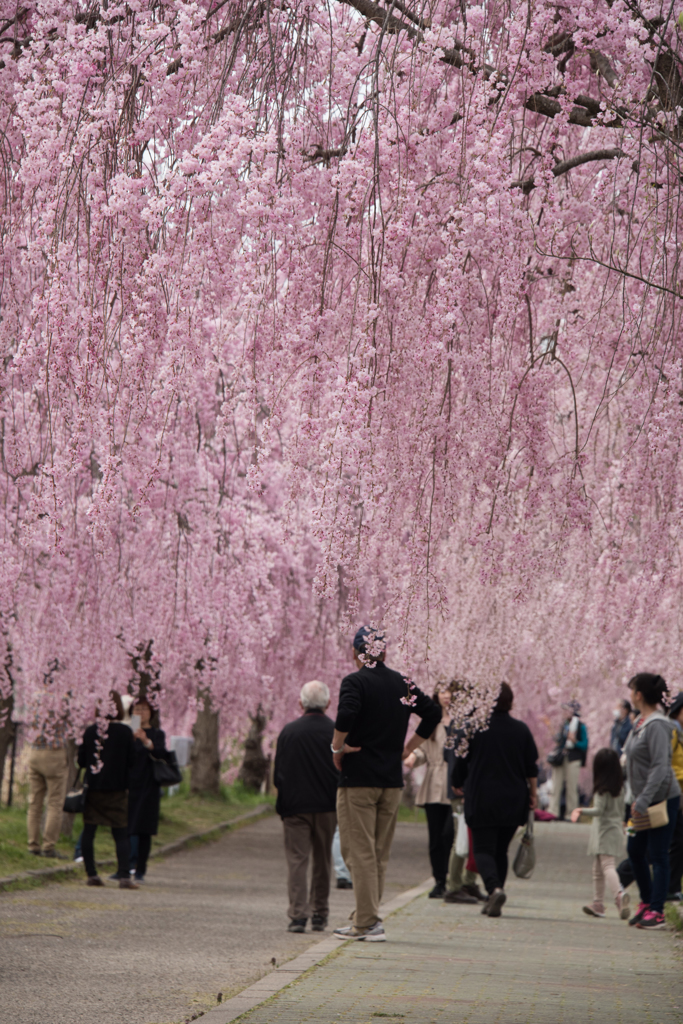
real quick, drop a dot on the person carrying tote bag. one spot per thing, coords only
(653, 782)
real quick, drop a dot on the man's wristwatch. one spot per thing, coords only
(340, 751)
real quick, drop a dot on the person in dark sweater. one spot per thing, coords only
(106, 799)
(144, 793)
(375, 705)
(498, 774)
(306, 782)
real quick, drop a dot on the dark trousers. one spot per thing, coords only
(676, 854)
(309, 836)
(651, 846)
(491, 853)
(144, 845)
(88, 850)
(625, 872)
(441, 833)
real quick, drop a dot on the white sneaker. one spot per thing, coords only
(374, 934)
(623, 904)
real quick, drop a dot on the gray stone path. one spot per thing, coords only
(212, 919)
(542, 962)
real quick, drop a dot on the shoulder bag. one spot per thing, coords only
(656, 816)
(74, 801)
(525, 858)
(166, 771)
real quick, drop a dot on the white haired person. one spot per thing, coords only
(306, 782)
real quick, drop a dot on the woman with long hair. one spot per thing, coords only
(433, 792)
(107, 756)
(652, 780)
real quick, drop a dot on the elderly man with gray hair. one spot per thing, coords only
(306, 782)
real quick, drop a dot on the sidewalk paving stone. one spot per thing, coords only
(542, 962)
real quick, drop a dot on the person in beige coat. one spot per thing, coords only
(433, 795)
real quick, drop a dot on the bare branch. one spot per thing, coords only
(527, 184)
(602, 66)
(586, 158)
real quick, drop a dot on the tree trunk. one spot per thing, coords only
(7, 727)
(254, 770)
(205, 760)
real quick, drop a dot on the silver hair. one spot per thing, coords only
(314, 696)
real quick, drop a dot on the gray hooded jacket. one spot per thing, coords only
(648, 761)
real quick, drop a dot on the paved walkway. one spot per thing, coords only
(543, 962)
(213, 919)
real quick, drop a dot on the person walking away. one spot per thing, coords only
(341, 872)
(676, 848)
(144, 793)
(375, 705)
(461, 882)
(48, 773)
(622, 726)
(433, 793)
(572, 750)
(306, 782)
(652, 780)
(109, 758)
(606, 840)
(499, 774)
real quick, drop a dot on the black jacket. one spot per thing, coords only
(304, 774)
(371, 711)
(117, 755)
(144, 795)
(495, 771)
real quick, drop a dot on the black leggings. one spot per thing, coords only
(144, 846)
(440, 825)
(122, 850)
(676, 855)
(491, 853)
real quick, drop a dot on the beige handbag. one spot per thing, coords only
(656, 817)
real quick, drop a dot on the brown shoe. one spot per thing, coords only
(473, 889)
(459, 897)
(94, 880)
(493, 905)
(128, 883)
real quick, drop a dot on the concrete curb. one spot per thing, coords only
(177, 844)
(278, 979)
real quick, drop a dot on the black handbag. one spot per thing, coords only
(166, 771)
(74, 801)
(556, 758)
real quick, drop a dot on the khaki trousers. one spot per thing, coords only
(367, 821)
(307, 834)
(567, 773)
(48, 771)
(458, 875)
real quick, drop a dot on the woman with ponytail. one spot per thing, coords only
(652, 780)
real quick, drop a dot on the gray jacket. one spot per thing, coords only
(648, 761)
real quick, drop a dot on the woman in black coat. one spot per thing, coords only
(107, 756)
(499, 774)
(144, 795)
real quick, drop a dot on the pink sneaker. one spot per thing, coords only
(595, 909)
(652, 920)
(642, 909)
